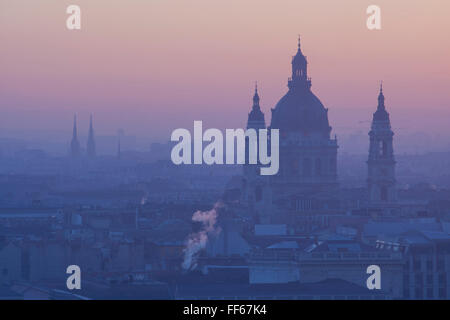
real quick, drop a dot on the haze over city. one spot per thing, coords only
(152, 66)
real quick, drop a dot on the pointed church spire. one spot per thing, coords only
(381, 187)
(381, 97)
(74, 144)
(256, 97)
(381, 114)
(256, 116)
(74, 131)
(91, 140)
(299, 78)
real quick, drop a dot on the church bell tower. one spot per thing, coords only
(381, 162)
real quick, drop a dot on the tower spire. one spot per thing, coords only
(74, 144)
(74, 131)
(256, 97)
(91, 140)
(256, 116)
(381, 162)
(381, 107)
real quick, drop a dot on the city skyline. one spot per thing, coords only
(180, 72)
(224, 150)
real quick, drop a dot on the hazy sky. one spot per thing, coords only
(150, 66)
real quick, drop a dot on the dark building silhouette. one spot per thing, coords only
(255, 121)
(381, 162)
(75, 144)
(91, 141)
(306, 183)
(308, 156)
(257, 192)
(256, 116)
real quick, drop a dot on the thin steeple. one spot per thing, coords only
(256, 116)
(299, 78)
(74, 144)
(381, 97)
(256, 97)
(381, 114)
(74, 131)
(91, 140)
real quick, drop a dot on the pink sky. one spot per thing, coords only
(150, 66)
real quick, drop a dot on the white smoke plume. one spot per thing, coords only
(198, 240)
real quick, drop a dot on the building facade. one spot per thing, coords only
(381, 162)
(308, 156)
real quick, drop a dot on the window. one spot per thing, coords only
(382, 148)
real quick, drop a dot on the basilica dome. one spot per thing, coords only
(299, 110)
(302, 111)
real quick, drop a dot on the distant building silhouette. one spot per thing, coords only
(306, 182)
(257, 192)
(381, 162)
(91, 140)
(308, 156)
(255, 121)
(256, 116)
(75, 144)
